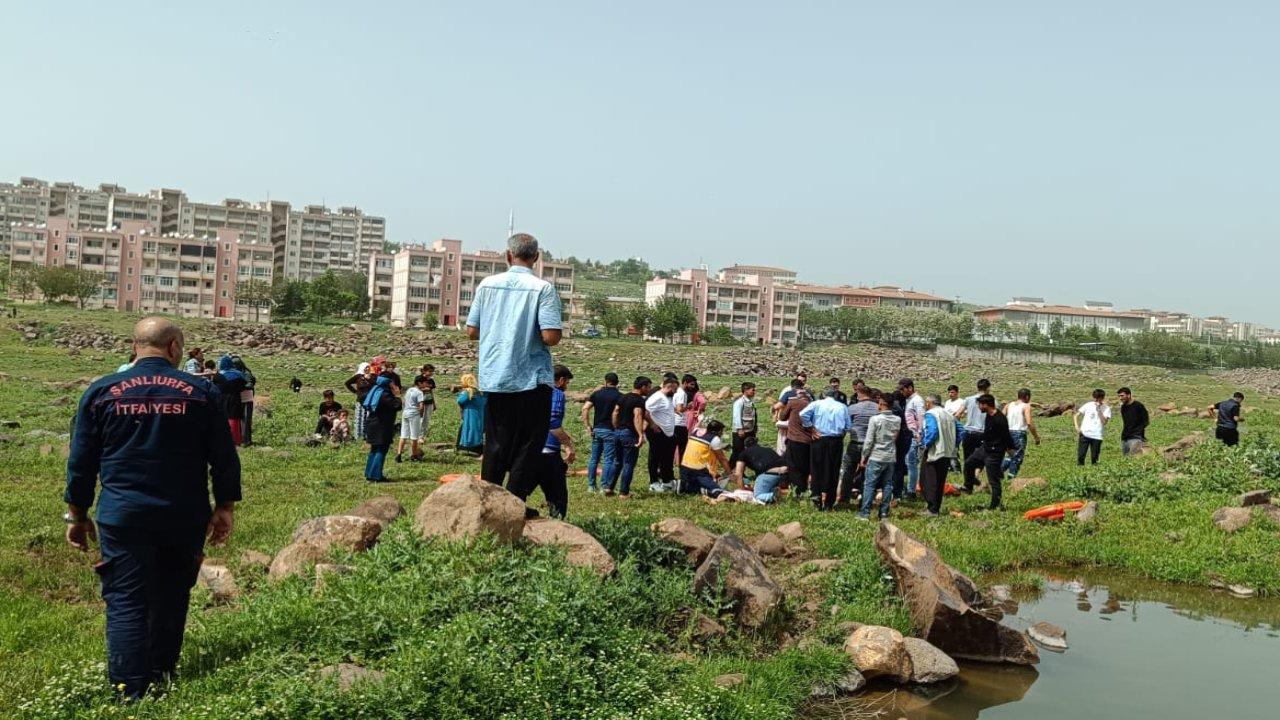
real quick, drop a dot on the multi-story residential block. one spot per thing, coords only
(826, 296)
(108, 206)
(1034, 311)
(146, 271)
(737, 272)
(179, 215)
(381, 266)
(440, 280)
(753, 307)
(23, 203)
(313, 240)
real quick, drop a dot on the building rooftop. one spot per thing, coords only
(879, 291)
(1060, 310)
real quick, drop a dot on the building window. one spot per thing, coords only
(128, 287)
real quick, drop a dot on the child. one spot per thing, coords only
(428, 405)
(411, 423)
(340, 430)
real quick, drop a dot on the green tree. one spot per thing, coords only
(4, 279)
(719, 335)
(614, 320)
(638, 316)
(431, 321)
(595, 306)
(22, 281)
(288, 299)
(1057, 330)
(380, 309)
(253, 293)
(671, 316)
(85, 284)
(1035, 336)
(55, 282)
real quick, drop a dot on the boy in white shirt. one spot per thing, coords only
(1090, 420)
(411, 423)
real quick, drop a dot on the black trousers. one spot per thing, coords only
(1088, 446)
(681, 441)
(994, 463)
(246, 429)
(551, 477)
(515, 429)
(973, 461)
(147, 577)
(972, 443)
(825, 456)
(933, 479)
(798, 456)
(739, 444)
(662, 456)
(1229, 437)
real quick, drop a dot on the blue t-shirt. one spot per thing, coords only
(557, 420)
(511, 309)
(1228, 410)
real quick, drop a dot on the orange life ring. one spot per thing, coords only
(1055, 511)
(949, 489)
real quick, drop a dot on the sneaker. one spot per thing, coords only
(932, 514)
(657, 487)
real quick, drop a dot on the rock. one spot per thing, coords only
(1019, 484)
(325, 571)
(219, 581)
(1088, 513)
(928, 663)
(705, 629)
(769, 545)
(730, 680)
(791, 532)
(1168, 407)
(382, 509)
(1255, 497)
(315, 540)
(61, 401)
(755, 595)
(879, 652)
(945, 605)
(1050, 636)
(582, 550)
(695, 541)
(256, 560)
(1232, 519)
(725, 393)
(1241, 591)
(467, 507)
(347, 675)
(1178, 451)
(847, 684)
(10, 424)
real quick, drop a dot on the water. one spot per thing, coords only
(1138, 649)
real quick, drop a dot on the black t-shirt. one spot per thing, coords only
(603, 401)
(627, 411)
(761, 459)
(330, 407)
(1135, 421)
(1228, 410)
(995, 435)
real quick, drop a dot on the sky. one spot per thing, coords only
(1127, 152)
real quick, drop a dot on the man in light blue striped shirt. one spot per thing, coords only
(829, 418)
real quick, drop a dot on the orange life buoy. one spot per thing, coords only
(1055, 511)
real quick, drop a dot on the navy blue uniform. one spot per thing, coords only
(154, 437)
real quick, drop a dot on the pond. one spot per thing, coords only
(1138, 648)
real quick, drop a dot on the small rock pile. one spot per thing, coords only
(1260, 379)
(75, 338)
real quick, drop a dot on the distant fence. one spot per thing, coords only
(963, 352)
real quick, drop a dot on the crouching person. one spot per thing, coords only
(768, 467)
(704, 461)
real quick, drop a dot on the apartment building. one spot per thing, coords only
(381, 267)
(440, 280)
(1034, 311)
(146, 271)
(826, 296)
(313, 240)
(23, 203)
(182, 216)
(753, 307)
(738, 272)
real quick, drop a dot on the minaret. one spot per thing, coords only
(511, 223)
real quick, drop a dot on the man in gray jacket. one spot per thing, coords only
(879, 455)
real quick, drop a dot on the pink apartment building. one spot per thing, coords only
(753, 307)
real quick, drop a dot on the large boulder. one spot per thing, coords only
(695, 541)
(384, 509)
(755, 595)
(928, 663)
(582, 549)
(315, 540)
(468, 507)
(1232, 519)
(1179, 449)
(879, 652)
(219, 581)
(946, 606)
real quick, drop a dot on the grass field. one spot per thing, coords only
(490, 631)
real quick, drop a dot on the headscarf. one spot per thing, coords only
(378, 364)
(238, 363)
(227, 368)
(361, 368)
(469, 385)
(375, 394)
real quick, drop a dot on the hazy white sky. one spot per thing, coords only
(1086, 150)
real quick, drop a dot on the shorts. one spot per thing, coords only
(411, 428)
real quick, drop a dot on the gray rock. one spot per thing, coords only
(928, 663)
(705, 629)
(879, 652)
(730, 680)
(1241, 591)
(581, 549)
(382, 509)
(847, 684)
(1232, 519)
(1050, 636)
(755, 595)
(219, 581)
(696, 541)
(255, 560)
(769, 545)
(468, 507)
(791, 532)
(1088, 513)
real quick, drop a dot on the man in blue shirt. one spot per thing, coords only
(154, 437)
(516, 317)
(1228, 413)
(829, 419)
(551, 477)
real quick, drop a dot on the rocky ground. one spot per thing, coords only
(1260, 379)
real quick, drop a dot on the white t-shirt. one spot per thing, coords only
(1091, 418)
(663, 411)
(1017, 418)
(954, 406)
(412, 397)
(680, 398)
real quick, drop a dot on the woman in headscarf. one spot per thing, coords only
(246, 398)
(471, 402)
(380, 405)
(231, 382)
(359, 385)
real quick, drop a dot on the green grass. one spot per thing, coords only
(505, 632)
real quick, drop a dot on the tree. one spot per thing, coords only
(431, 321)
(1035, 336)
(253, 293)
(85, 284)
(1057, 330)
(719, 335)
(614, 320)
(380, 309)
(595, 306)
(55, 282)
(22, 280)
(4, 279)
(288, 299)
(671, 316)
(638, 316)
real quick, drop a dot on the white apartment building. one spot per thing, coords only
(184, 217)
(313, 240)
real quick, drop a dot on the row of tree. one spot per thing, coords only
(54, 283)
(329, 295)
(666, 319)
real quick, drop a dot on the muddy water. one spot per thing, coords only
(1138, 649)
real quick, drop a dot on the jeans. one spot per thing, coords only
(1132, 446)
(695, 481)
(515, 427)
(879, 475)
(626, 454)
(147, 575)
(681, 440)
(850, 475)
(602, 444)
(765, 485)
(1088, 446)
(913, 467)
(974, 461)
(373, 464)
(1013, 464)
